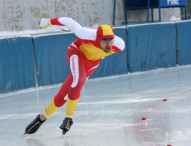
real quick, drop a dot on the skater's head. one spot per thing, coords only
(105, 31)
(105, 34)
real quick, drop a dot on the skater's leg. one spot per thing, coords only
(59, 100)
(54, 105)
(77, 67)
(61, 97)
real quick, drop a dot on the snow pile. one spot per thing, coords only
(51, 29)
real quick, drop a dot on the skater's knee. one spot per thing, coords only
(59, 100)
(78, 82)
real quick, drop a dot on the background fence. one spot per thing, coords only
(40, 60)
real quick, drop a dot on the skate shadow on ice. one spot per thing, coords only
(42, 142)
(33, 142)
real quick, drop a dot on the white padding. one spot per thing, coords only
(74, 69)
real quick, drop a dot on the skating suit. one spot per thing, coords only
(84, 56)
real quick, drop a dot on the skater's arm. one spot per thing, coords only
(75, 27)
(66, 21)
(119, 44)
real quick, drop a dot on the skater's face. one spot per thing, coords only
(106, 45)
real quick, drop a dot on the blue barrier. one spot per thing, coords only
(52, 65)
(115, 64)
(16, 64)
(148, 47)
(184, 42)
(151, 46)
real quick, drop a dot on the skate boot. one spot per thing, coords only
(34, 125)
(67, 123)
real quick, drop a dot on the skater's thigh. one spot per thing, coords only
(78, 70)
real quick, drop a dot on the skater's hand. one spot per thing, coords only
(44, 23)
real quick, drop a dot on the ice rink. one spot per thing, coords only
(109, 112)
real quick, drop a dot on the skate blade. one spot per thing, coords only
(24, 134)
(63, 133)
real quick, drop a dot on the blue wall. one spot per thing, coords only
(148, 47)
(184, 42)
(151, 46)
(16, 64)
(51, 59)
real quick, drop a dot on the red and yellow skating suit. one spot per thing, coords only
(83, 56)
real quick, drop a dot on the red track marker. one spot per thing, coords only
(144, 120)
(164, 100)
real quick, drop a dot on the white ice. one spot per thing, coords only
(109, 112)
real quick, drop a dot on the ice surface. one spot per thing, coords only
(109, 112)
